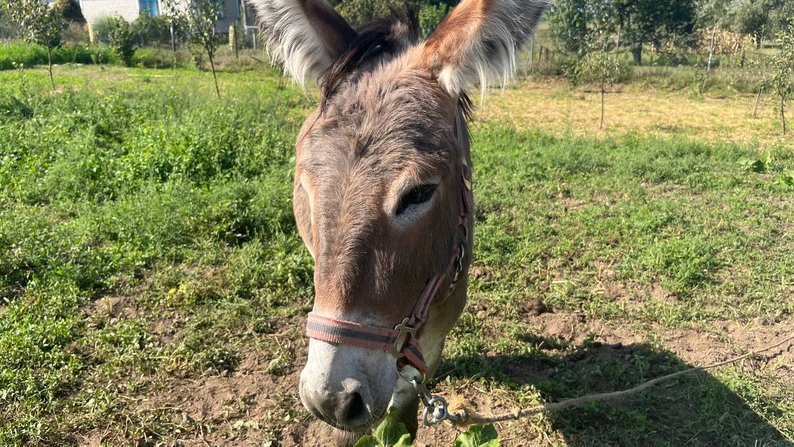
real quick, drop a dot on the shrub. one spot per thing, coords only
(121, 39)
(154, 58)
(151, 31)
(430, 16)
(29, 55)
(100, 29)
(76, 33)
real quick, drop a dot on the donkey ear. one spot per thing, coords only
(478, 40)
(306, 35)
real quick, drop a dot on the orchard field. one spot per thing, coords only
(153, 289)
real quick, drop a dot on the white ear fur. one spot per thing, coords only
(306, 35)
(478, 41)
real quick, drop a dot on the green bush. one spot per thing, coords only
(121, 39)
(430, 16)
(151, 31)
(28, 55)
(156, 58)
(100, 29)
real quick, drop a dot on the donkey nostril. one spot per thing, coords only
(352, 410)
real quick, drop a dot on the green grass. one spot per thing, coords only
(147, 243)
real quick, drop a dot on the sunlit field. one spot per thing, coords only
(153, 289)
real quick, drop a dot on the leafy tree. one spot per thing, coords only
(71, 11)
(713, 15)
(654, 22)
(360, 12)
(781, 15)
(568, 21)
(39, 23)
(751, 18)
(430, 16)
(151, 30)
(604, 69)
(199, 17)
(121, 38)
(782, 76)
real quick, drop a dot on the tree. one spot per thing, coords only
(782, 77)
(713, 15)
(200, 17)
(568, 21)
(781, 15)
(751, 18)
(430, 16)
(654, 22)
(361, 12)
(39, 23)
(151, 30)
(121, 38)
(603, 69)
(71, 11)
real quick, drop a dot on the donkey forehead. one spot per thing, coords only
(392, 113)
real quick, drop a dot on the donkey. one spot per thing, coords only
(382, 191)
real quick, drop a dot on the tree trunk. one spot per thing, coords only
(601, 126)
(617, 42)
(636, 53)
(531, 53)
(49, 63)
(783, 112)
(214, 76)
(173, 38)
(757, 100)
(235, 43)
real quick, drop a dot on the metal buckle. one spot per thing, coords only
(403, 332)
(436, 408)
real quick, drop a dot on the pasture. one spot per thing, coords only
(153, 289)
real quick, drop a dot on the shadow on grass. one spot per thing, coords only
(696, 410)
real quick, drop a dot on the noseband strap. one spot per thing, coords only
(400, 341)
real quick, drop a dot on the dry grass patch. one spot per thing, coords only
(553, 106)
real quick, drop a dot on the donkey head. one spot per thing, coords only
(381, 185)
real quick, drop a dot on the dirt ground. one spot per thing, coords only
(251, 407)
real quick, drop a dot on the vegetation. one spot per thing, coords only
(39, 23)
(121, 38)
(13, 55)
(199, 19)
(782, 78)
(603, 69)
(153, 287)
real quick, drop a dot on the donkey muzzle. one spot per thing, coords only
(348, 387)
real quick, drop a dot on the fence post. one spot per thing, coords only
(173, 37)
(531, 52)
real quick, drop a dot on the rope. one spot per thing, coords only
(463, 415)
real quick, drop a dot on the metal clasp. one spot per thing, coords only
(436, 408)
(403, 332)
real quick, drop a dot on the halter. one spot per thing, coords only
(401, 341)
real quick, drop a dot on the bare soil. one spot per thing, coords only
(251, 407)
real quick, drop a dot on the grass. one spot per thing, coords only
(152, 284)
(643, 108)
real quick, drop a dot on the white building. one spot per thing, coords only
(131, 9)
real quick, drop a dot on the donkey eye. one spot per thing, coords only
(416, 196)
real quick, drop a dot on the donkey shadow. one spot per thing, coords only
(695, 410)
